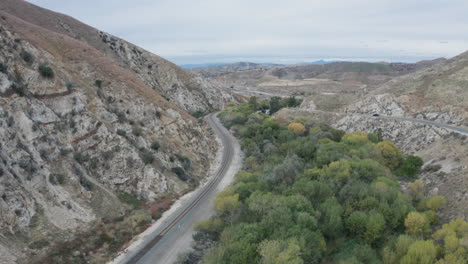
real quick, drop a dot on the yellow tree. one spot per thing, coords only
(297, 128)
(415, 223)
(392, 157)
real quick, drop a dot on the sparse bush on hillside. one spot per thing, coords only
(137, 131)
(57, 178)
(98, 83)
(184, 160)
(146, 156)
(198, 114)
(121, 132)
(180, 173)
(155, 145)
(129, 199)
(86, 183)
(3, 68)
(432, 167)
(26, 56)
(80, 157)
(18, 89)
(46, 71)
(10, 121)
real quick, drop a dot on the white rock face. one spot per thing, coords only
(383, 104)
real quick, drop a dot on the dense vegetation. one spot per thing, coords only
(313, 194)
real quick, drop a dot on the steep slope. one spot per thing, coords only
(189, 91)
(78, 130)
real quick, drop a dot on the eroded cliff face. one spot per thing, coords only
(76, 129)
(186, 89)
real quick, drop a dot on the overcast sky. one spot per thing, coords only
(286, 31)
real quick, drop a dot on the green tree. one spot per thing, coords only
(392, 157)
(420, 252)
(374, 227)
(275, 104)
(415, 223)
(411, 166)
(280, 252)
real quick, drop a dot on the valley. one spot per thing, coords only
(112, 154)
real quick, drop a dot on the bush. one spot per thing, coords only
(86, 183)
(18, 89)
(411, 167)
(180, 173)
(46, 71)
(56, 178)
(146, 156)
(184, 160)
(198, 114)
(137, 131)
(432, 167)
(129, 199)
(26, 56)
(98, 83)
(155, 145)
(121, 132)
(80, 157)
(3, 68)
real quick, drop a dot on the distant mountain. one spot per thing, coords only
(320, 62)
(202, 65)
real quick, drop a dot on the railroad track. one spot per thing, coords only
(225, 164)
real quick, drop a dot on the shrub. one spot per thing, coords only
(432, 167)
(80, 157)
(10, 121)
(19, 89)
(129, 199)
(46, 71)
(146, 156)
(26, 56)
(137, 131)
(411, 166)
(86, 183)
(121, 132)
(180, 173)
(155, 145)
(57, 178)
(184, 160)
(198, 114)
(121, 116)
(98, 83)
(3, 68)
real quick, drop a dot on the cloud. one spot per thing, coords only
(188, 31)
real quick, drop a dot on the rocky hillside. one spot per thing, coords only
(184, 88)
(438, 93)
(82, 122)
